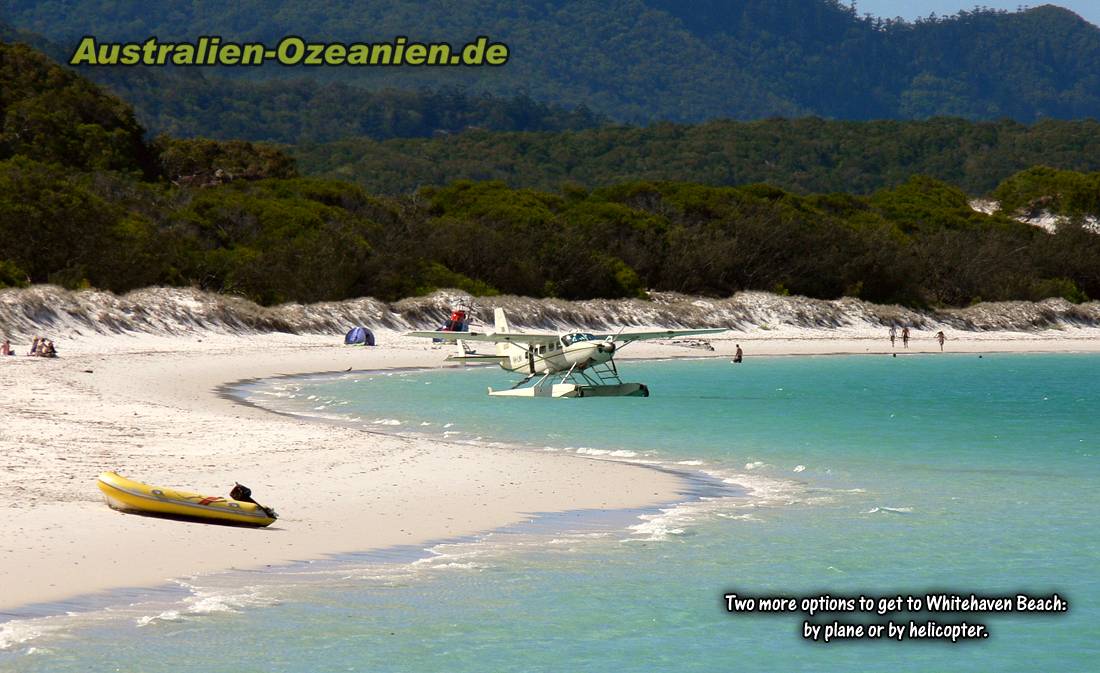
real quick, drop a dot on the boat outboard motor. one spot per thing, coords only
(242, 493)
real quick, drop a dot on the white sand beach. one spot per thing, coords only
(147, 406)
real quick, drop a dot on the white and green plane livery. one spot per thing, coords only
(576, 364)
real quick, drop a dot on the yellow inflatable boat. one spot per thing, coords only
(133, 496)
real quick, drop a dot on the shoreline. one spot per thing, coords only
(145, 399)
(694, 487)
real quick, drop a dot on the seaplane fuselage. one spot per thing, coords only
(577, 351)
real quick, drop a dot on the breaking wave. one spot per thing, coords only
(175, 311)
(209, 601)
(889, 510)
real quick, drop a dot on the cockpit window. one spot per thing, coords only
(576, 337)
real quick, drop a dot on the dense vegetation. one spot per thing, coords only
(641, 61)
(302, 239)
(52, 115)
(802, 155)
(1042, 188)
(86, 200)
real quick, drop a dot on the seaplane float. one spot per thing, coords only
(573, 364)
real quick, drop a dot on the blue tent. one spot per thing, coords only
(359, 335)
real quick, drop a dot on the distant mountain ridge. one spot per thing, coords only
(640, 61)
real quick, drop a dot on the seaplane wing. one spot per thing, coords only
(531, 338)
(627, 337)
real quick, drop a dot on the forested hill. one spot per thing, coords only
(52, 115)
(198, 103)
(86, 200)
(641, 61)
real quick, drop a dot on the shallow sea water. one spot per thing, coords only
(804, 476)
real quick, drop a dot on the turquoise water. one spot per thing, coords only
(847, 475)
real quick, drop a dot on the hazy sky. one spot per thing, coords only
(910, 9)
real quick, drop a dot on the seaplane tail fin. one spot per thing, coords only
(500, 326)
(500, 322)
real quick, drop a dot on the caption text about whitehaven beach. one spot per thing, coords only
(922, 628)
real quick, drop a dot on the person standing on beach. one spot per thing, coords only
(737, 355)
(941, 338)
(905, 337)
(893, 334)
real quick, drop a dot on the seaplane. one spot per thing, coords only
(573, 364)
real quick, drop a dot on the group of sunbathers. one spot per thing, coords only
(42, 347)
